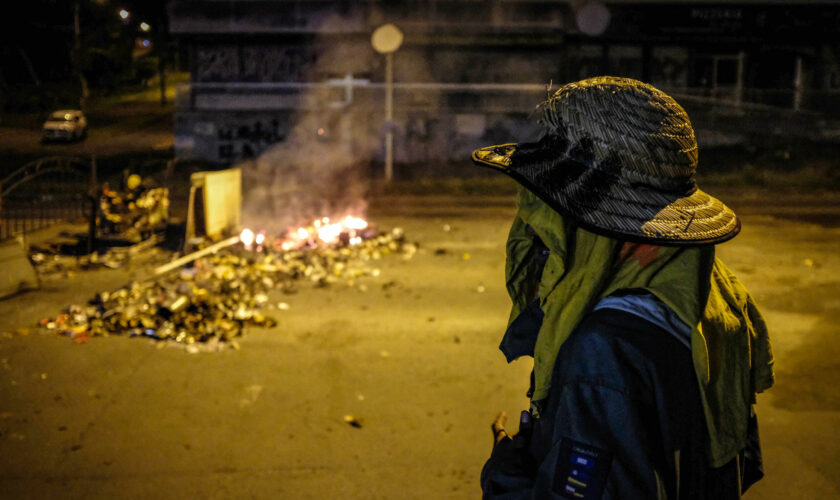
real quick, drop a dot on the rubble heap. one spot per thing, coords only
(221, 294)
(135, 211)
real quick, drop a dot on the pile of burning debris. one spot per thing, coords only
(135, 211)
(209, 303)
(50, 262)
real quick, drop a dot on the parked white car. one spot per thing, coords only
(66, 125)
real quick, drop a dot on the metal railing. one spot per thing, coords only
(479, 97)
(46, 192)
(341, 92)
(438, 122)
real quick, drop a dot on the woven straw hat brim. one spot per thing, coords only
(606, 204)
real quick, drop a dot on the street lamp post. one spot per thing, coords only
(389, 116)
(386, 40)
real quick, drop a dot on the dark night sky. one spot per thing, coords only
(42, 32)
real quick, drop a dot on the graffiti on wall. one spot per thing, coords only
(242, 141)
(217, 63)
(276, 64)
(670, 66)
(260, 63)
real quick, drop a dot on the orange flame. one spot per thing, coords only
(246, 237)
(320, 231)
(356, 223)
(330, 233)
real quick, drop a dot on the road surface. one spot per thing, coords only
(414, 358)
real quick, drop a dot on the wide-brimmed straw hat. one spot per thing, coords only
(618, 157)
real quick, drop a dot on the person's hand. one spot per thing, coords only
(510, 457)
(521, 439)
(498, 428)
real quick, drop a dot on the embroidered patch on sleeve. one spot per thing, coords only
(581, 470)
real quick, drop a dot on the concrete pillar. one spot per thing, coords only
(16, 272)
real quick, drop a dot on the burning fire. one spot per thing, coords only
(246, 237)
(321, 231)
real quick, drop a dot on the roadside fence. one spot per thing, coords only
(46, 192)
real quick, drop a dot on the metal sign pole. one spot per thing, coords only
(389, 117)
(386, 40)
(93, 199)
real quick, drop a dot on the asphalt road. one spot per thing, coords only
(115, 129)
(414, 358)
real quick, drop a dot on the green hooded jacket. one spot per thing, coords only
(730, 346)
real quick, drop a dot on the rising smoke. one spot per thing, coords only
(307, 176)
(321, 168)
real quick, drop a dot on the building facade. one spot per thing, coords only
(469, 72)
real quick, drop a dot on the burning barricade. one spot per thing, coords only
(207, 306)
(135, 211)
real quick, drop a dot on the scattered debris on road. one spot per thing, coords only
(135, 211)
(353, 421)
(205, 306)
(49, 263)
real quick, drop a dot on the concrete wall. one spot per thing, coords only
(16, 272)
(254, 63)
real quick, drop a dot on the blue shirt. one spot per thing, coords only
(646, 306)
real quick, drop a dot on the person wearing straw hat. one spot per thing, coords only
(648, 352)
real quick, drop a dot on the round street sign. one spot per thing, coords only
(593, 18)
(386, 39)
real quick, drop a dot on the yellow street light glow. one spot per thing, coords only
(144, 26)
(124, 14)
